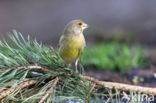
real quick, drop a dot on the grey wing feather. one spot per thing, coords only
(61, 40)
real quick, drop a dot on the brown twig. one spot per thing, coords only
(33, 67)
(22, 85)
(36, 67)
(120, 86)
(54, 81)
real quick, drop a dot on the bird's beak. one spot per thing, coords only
(84, 26)
(87, 26)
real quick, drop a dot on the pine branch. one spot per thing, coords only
(29, 68)
(120, 86)
(22, 85)
(24, 57)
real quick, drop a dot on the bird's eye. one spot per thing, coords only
(79, 23)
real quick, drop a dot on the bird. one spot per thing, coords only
(72, 42)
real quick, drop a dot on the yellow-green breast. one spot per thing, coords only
(71, 48)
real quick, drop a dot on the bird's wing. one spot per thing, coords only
(80, 50)
(61, 40)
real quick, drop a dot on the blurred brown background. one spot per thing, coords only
(45, 19)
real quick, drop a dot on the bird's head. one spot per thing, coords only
(75, 27)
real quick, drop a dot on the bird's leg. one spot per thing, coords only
(76, 65)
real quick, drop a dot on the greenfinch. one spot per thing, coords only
(72, 42)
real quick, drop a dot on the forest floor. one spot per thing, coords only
(141, 77)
